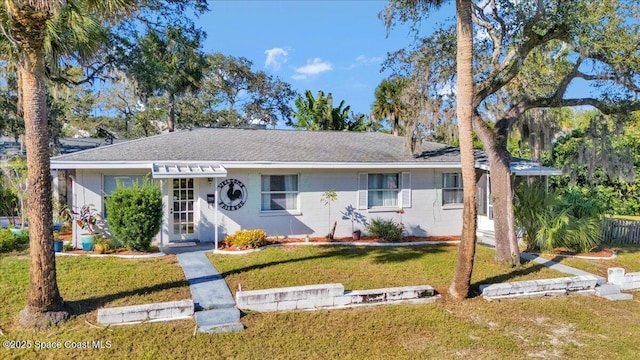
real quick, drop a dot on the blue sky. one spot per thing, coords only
(335, 46)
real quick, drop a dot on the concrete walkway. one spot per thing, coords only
(559, 267)
(215, 308)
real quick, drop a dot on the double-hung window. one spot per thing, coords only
(452, 188)
(383, 190)
(279, 192)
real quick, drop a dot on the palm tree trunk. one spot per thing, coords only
(172, 113)
(464, 99)
(44, 304)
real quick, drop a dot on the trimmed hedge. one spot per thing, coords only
(135, 214)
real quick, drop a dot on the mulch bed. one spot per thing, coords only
(597, 253)
(153, 250)
(363, 240)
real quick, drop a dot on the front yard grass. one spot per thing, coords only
(359, 268)
(88, 283)
(574, 327)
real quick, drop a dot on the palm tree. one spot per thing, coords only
(39, 32)
(388, 104)
(464, 106)
(318, 113)
(464, 111)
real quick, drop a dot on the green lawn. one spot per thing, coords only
(363, 267)
(574, 327)
(88, 283)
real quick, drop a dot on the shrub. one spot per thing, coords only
(387, 230)
(105, 245)
(247, 239)
(10, 242)
(553, 220)
(134, 214)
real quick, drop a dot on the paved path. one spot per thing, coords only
(213, 301)
(559, 267)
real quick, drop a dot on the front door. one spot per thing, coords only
(183, 210)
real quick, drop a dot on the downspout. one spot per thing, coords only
(215, 217)
(74, 226)
(162, 221)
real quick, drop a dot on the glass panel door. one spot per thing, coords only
(183, 225)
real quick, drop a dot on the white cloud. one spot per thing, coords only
(362, 60)
(275, 58)
(368, 60)
(313, 67)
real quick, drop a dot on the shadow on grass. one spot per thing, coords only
(378, 254)
(84, 306)
(516, 272)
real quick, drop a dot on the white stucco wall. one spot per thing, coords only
(425, 217)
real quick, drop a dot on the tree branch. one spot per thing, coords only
(606, 107)
(510, 66)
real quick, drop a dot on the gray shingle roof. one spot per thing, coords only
(262, 145)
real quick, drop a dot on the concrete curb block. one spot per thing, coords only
(330, 296)
(165, 311)
(626, 281)
(340, 243)
(584, 284)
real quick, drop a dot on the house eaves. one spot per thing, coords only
(62, 165)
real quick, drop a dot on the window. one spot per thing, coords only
(452, 188)
(383, 190)
(111, 183)
(279, 192)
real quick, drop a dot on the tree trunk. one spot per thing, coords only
(494, 141)
(44, 306)
(396, 130)
(464, 97)
(172, 113)
(507, 250)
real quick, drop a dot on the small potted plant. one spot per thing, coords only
(57, 243)
(355, 217)
(86, 218)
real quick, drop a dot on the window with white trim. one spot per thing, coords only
(452, 188)
(111, 182)
(386, 190)
(279, 192)
(383, 190)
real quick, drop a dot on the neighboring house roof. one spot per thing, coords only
(71, 145)
(235, 147)
(10, 148)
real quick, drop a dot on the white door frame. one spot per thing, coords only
(183, 209)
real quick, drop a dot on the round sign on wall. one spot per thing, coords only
(232, 194)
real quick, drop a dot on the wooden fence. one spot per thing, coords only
(619, 231)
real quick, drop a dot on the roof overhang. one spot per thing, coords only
(62, 164)
(187, 170)
(533, 169)
(525, 168)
